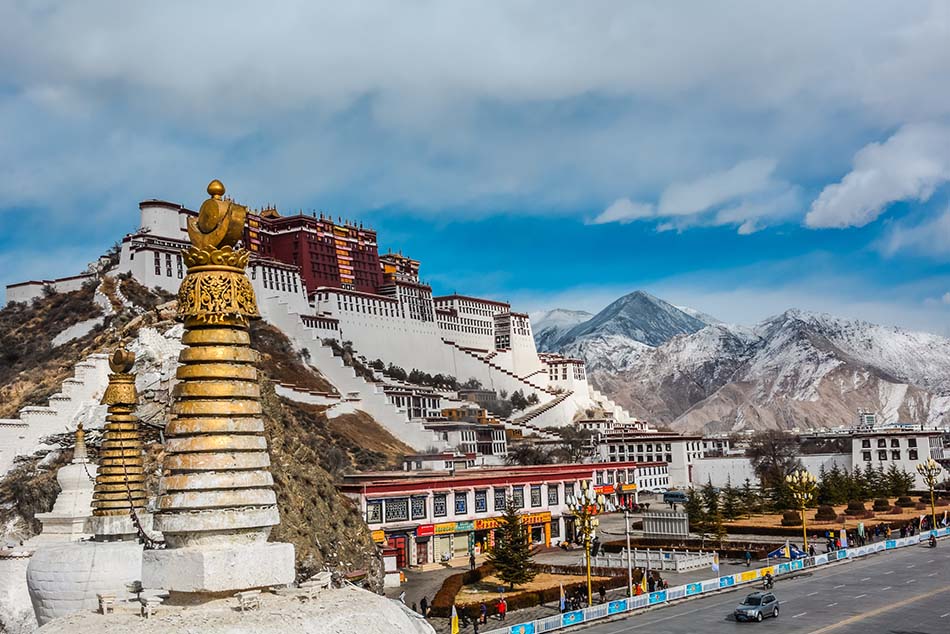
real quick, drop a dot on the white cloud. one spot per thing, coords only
(910, 165)
(686, 198)
(624, 210)
(930, 238)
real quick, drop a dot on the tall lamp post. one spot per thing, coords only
(929, 471)
(803, 486)
(585, 508)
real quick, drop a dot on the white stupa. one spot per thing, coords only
(71, 517)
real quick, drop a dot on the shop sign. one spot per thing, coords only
(425, 530)
(481, 525)
(536, 518)
(442, 529)
(626, 488)
(605, 489)
(378, 536)
(461, 527)
(527, 518)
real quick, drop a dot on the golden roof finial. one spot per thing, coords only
(121, 361)
(79, 452)
(216, 189)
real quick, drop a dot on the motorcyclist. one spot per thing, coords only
(933, 540)
(769, 581)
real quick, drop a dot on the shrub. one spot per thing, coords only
(882, 504)
(826, 514)
(855, 507)
(921, 506)
(444, 599)
(791, 518)
(905, 502)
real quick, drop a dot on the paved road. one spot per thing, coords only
(903, 592)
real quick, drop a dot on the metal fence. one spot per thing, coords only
(611, 608)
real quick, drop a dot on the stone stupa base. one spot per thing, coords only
(217, 570)
(119, 527)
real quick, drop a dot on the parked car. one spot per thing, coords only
(675, 497)
(757, 606)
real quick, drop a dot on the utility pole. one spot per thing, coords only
(626, 525)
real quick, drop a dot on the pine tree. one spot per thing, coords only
(750, 498)
(511, 554)
(730, 501)
(696, 512)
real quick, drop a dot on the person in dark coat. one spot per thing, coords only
(424, 606)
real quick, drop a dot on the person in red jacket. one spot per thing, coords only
(502, 608)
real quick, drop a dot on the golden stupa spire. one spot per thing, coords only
(120, 482)
(216, 484)
(80, 454)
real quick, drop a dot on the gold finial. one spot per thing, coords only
(121, 361)
(216, 189)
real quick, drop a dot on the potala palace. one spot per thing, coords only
(324, 283)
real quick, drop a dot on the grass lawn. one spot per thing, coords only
(488, 586)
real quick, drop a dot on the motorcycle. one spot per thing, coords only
(933, 541)
(768, 583)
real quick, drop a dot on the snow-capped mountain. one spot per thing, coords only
(550, 326)
(797, 369)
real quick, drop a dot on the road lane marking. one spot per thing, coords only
(943, 616)
(932, 574)
(881, 610)
(911, 565)
(930, 561)
(860, 596)
(839, 586)
(798, 615)
(831, 605)
(811, 594)
(887, 587)
(889, 572)
(911, 581)
(865, 578)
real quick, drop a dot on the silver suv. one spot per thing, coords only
(757, 606)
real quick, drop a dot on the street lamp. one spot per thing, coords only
(929, 471)
(585, 509)
(803, 486)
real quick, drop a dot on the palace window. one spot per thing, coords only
(895, 442)
(552, 495)
(517, 494)
(911, 442)
(866, 455)
(895, 454)
(866, 443)
(461, 502)
(481, 501)
(882, 455)
(535, 495)
(374, 512)
(439, 505)
(397, 510)
(418, 507)
(501, 495)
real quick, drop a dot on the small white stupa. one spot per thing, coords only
(71, 517)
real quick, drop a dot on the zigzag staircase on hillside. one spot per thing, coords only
(348, 382)
(77, 401)
(497, 367)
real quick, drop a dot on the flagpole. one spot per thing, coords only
(626, 523)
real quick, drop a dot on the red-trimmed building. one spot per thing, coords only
(436, 515)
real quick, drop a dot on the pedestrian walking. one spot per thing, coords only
(651, 584)
(811, 550)
(483, 612)
(748, 558)
(603, 593)
(414, 607)
(502, 608)
(424, 604)
(471, 561)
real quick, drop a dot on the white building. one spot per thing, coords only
(678, 452)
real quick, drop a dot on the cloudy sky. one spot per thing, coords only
(740, 157)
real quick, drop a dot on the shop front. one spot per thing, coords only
(448, 540)
(538, 524)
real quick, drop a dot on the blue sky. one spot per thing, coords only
(741, 159)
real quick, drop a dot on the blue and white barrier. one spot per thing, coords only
(631, 604)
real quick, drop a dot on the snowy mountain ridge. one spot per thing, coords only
(798, 369)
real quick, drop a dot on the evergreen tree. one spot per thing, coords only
(718, 527)
(731, 502)
(750, 499)
(696, 511)
(511, 554)
(710, 499)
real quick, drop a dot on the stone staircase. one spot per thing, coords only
(77, 401)
(539, 411)
(527, 429)
(356, 392)
(620, 414)
(526, 383)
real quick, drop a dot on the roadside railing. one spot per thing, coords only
(630, 604)
(662, 560)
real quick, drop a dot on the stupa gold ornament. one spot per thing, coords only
(217, 503)
(120, 482)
